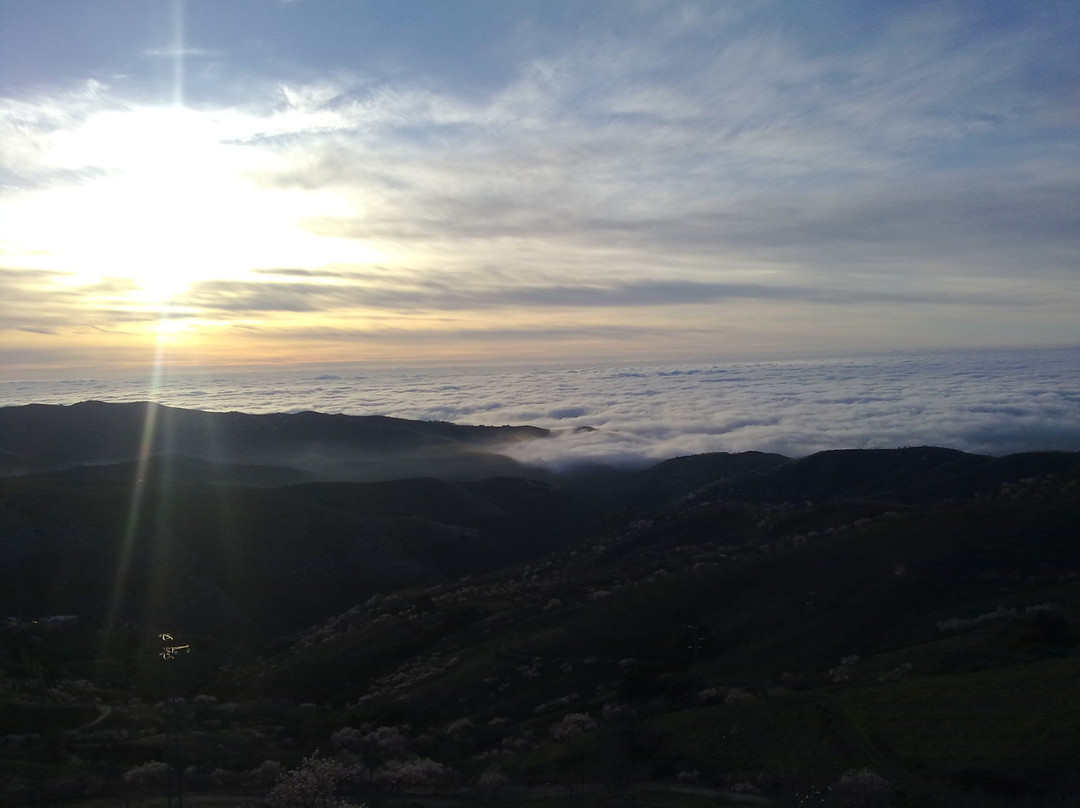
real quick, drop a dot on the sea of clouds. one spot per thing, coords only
(986, 402)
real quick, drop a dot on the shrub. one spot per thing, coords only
(264, 775)
(387, 743)
(347, 738)
(860, 788)
(418, 771)
(316, 783)
(152, 774)
(459, 729)
(572, 724)
(493, 779)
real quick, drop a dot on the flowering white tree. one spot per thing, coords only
(154, 773)
(264, 775)
(417, 771)
(491, 784)
(386, 743)
(140, 779)
(861, 788)
(316, 783)
(347, 738)
(460, 730)
(572, 724)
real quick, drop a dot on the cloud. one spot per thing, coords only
(469, 292)
(758, 151)
(181, 53)
(985, 402)
(456, 333)
(46, 301)
(910, 172)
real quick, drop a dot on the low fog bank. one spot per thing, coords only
(797, 435)
(992, 403)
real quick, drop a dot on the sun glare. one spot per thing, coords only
(173, 204)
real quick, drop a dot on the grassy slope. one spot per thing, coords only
(766, 599)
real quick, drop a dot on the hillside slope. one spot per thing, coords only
(713, 628)
(40, 437)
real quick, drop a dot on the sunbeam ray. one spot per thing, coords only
(178, 46)
(136, 504)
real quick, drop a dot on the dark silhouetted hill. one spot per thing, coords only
(41, 437)
(919, 474)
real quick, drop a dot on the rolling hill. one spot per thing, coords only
(862, 627)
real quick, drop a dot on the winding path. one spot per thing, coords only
(104, 711)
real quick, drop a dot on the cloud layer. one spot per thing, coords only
(991, 402)
(741, 179)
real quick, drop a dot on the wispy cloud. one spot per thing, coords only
(182, 53)
(657, 159)
(469, 293)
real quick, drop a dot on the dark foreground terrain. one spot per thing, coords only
(857, 628)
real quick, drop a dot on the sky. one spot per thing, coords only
(198, 183)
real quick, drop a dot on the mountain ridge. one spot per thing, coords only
(41, 437)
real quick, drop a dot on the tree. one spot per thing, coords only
(572, 724)
(417, 771)
(860, 788)
(139, 779)
(317, 783)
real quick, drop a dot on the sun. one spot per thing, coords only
(169, 203)
(170, 210)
